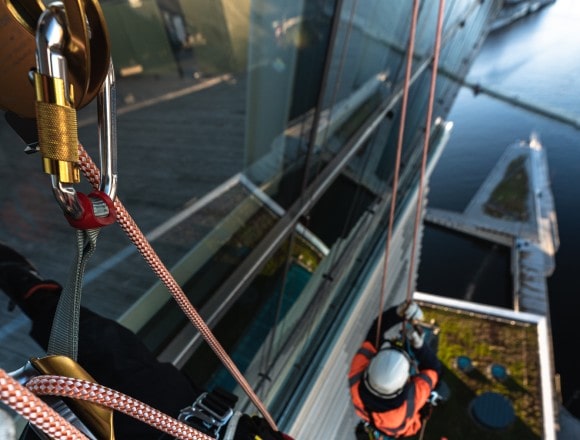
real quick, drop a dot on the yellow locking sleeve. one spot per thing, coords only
(57, 129)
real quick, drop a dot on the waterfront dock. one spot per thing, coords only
(514, 207)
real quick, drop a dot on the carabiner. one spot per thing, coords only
(57, 127)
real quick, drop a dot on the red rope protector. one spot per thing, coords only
(89, 220)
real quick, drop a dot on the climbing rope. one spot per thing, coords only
(24, 400)
(37, 412)
(409, 64)
(92, 173)
(419, 209)
(50, 385)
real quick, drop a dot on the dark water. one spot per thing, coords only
(536, 59)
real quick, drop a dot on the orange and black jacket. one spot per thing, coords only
(398, 416)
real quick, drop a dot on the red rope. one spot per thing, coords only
(50, 385)
(92, 173)
(37, 412)
(410, 50)
(436, 51)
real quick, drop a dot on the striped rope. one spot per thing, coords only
(92, 173)
(37, 412)
(81, 389)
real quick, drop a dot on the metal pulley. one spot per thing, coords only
(86, 49)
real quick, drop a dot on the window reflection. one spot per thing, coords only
(263, 99)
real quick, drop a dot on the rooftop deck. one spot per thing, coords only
(528, 226)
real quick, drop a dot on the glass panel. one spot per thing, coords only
(209, 253)
(367, 60)
(208, 90)
(286, 292)
(287, 47)
(296, 304)
(218, 102)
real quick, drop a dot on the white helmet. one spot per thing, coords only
(388, 372)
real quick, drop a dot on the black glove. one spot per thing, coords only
(250, 427)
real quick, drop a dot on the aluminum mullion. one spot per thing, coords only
(180, 348)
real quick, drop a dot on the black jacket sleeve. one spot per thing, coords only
(389, 318)
(427, 359)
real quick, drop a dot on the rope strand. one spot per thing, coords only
(37, 412)
(92, 173)
(410, 50)
(50, 385)
(436, 51)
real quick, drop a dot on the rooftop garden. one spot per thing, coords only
(487, 343)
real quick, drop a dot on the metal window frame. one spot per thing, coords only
(189, 339)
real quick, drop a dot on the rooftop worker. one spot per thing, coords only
(390, 383)
(115, 357)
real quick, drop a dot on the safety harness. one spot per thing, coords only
(402, 344)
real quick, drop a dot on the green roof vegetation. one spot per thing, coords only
(486, 341)
(509, 198)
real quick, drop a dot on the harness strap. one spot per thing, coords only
(366, 352)
(354, 379)
(409, 413)
(358, 377)
(427, 379)
(65, 328)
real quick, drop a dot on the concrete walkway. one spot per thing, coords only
(533, 241)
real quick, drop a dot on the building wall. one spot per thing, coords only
(257, 149)
(319, 99)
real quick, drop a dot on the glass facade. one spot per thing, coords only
(300, 104)
(302, 82)
(259, 139)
